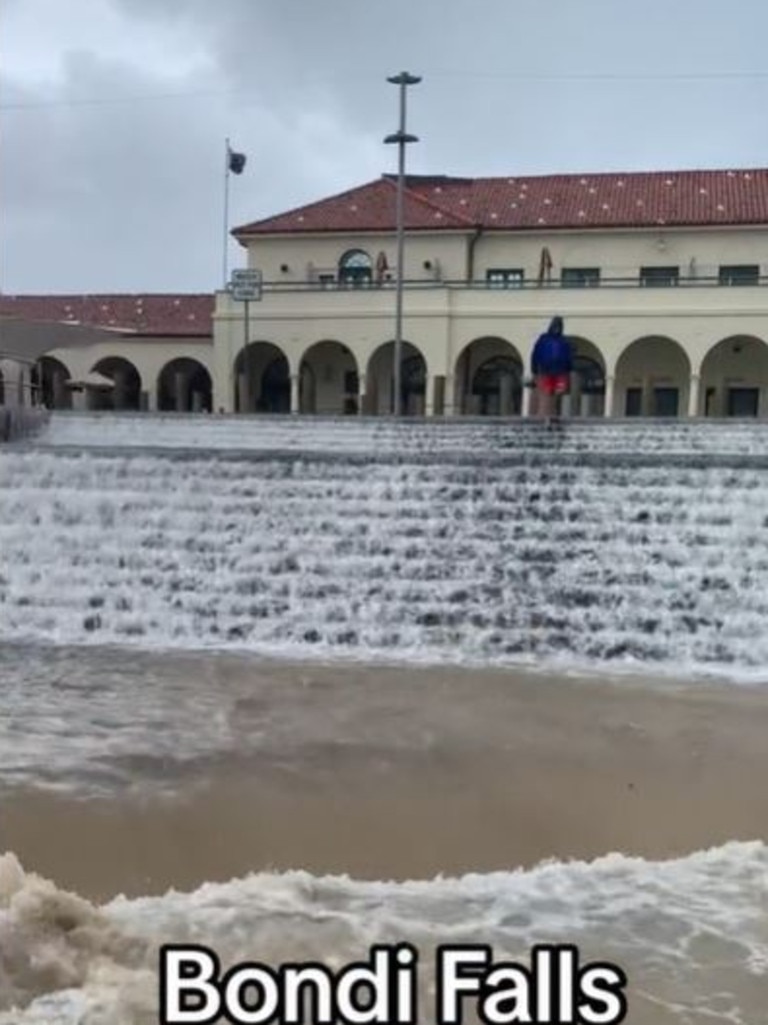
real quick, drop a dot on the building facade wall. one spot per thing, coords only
(147, 356)
(298, 260)
(699, 338)
(695, 349)
(698, 254)
(454, 256)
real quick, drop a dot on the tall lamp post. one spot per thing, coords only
(401, 139)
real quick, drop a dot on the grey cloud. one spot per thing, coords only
(128, 195)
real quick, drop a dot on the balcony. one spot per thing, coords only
(328, 284)
(613, 295)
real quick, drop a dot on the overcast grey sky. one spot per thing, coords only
(113, 113)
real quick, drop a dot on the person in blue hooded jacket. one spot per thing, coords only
(552, 365)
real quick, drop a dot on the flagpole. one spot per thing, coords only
(226, 213)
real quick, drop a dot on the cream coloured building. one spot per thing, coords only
(660, 277)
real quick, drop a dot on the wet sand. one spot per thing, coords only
(513, 769)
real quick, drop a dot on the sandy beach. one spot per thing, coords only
(429, 772)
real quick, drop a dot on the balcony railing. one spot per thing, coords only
(627, 282)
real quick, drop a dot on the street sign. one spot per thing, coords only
(245, 285)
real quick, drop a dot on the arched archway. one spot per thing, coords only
(184, 386)
(51, 379)
(653, 378)
(734, 378)
(489, 378)
(329, 380)
(262, 376)
(126, 395)
(588, 378)
(380, 380)
(355, 268)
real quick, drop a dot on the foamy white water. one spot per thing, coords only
(600, 546)
(691, 934)
(383, 435)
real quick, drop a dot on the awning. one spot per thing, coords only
(92, 380)
(27, 340)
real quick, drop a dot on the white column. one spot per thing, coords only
(449, 407)
(609, 400)
(694, 389)
(527, 401)
(294, 393)
(429, 396)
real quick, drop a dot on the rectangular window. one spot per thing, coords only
(740, 274)
(633, 405)
(326, 280)
(666, 401)
(580, 277)
(654, 277)
(351, 382)
(504, 277)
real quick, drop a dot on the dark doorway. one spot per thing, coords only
(275, 396)
(666, 402)
(743, 401)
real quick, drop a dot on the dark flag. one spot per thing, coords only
(236, 162)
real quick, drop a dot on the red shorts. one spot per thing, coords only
(553, 384)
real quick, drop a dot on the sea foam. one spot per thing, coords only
(692, 933)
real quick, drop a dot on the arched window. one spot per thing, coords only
(355, 268)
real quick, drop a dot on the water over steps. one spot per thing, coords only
(634, 544)
(377, 435)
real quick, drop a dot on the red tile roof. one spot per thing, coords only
(142, 315)
(368, 207)
(633, 200)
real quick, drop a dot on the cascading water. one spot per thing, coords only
(598, 545)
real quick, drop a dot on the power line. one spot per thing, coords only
(116, 100)
(605, 76)
(511, 76)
